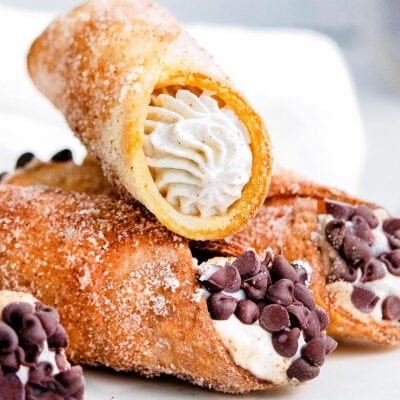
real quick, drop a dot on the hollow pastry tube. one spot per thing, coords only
(353, 246)
(32, 359)
(168, 126)
(132, 297)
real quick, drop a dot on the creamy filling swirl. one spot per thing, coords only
(197, 152)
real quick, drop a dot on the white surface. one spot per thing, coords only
(300, 85)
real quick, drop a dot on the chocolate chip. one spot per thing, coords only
(256, 286)
(8, 339)
(62, 156)
(49, 318)
(341, 271)
(313, 328)
(61, 362)
(338, 209)
(70, 381)
(323, 317)
(3, 175)
(392, 261)
(302, 370)
(364, 299)
(281, 269)
(391, 308)
(334, 232)
(11, 387)
(281, 292)
(368, 215)
(301, 293)
(247, 311)
(14, 312)
(298, 315)
(314, 351)
(274, 318)
(24, 159)
(248, 264)
(59, 339)
(362, 230)
(301, 274)
(391, 227)
(31, 330)
(372, 271)
(10, 362)
(226, 278)
(32, 351)
(355, 250)
(331, 345)
(286, 342)
(221, 306)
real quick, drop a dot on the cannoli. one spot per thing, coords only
(168, 126)
(132, 297)
(352, 244)
(32, 360)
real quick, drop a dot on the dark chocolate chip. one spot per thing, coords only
(341, 271)
(11, 387)
(392, 261)
(323, 317)
(61, 362)
(302, 370)
(362, 230)
(314, 351)
(24, 159)
(10, 362)
(220, 306)
(372, 271)
(248, 264)
(331, 345)
(301, 293)
(338, 209)
(3, 175)
(298, 315)
(391, 308)
(281, 292)
(391, 227)
(281, 269)
(31, 330)
(49, 318)
(368, 215)
(14, 312)
(301, 273)
(274, 318)
(286, 342)
(70, 382)
(247, 311)
(62, 156)
(313, 328)
(8, 339)
(226, 278)
(364, 299)
(355, 250)
(256, 286)
(59, 339)
(334, 232)
(32, 351)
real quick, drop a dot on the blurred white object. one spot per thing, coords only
(297, 80)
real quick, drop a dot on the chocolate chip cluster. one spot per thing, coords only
(23, 332)
(351, 233)
(276, 296)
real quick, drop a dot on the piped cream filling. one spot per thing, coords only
(389, 285)
(197, 152)
(250, 346)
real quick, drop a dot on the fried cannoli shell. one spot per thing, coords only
(101, 63)
(288, 222)
(124, 286)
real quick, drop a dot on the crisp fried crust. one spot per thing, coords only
(125, 287)
(101, 63)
